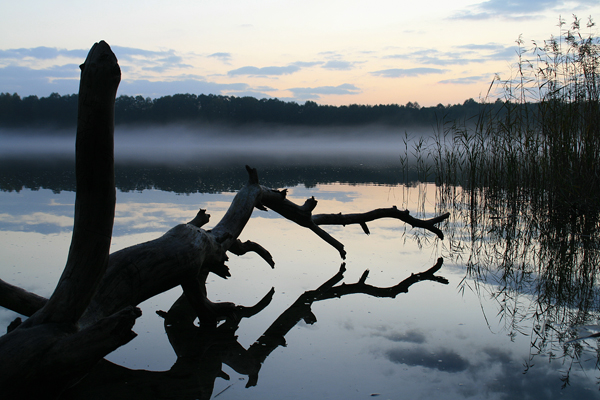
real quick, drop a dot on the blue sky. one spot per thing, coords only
(332, 52)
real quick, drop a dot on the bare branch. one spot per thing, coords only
(393, 212)
(19, 300)
(240, 248)
(200, 219)
(302, 215)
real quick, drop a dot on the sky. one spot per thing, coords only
(328, 51)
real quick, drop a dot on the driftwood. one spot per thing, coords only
(93, 308)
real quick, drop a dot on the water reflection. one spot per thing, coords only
(201, 352)
(433, 343)
(59, 175)
(538, 259)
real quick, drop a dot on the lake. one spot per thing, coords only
(480, 336)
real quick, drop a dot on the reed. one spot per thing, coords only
(543, 132)
(522, 180)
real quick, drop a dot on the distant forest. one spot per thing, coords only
(56, 111)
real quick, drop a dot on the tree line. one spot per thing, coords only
(61, 111)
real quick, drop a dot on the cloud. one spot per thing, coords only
(467, 80)
(329, 54)
(442, 360)
(122, 53)
(315, 92)
(491, 51)
(148, 60)
(38, 218)
(336, 61)
(518, 6)
(407, 72)
(410, 336)
(63, 79)
(130, 59)
(198, 85)
(307, 64)
(250, 93)
(518, 9)
(132, 53)
(264, 71)
(21, 76)
(435, 58)
(223, 57)
(497, 355)
(541, 381)
(54, 72)
(338, 65)
(41, 53)
(462, 55)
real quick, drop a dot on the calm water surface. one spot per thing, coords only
(437, 341)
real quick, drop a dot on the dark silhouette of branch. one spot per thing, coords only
(201, 352)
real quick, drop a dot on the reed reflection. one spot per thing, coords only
(537, 258)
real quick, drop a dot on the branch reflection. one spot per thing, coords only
(201, 352)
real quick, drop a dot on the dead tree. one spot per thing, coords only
(93, 308)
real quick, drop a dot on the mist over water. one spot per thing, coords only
(256, 145)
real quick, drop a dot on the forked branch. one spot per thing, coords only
(277, 201)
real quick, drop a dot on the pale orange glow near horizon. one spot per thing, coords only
(336, 53)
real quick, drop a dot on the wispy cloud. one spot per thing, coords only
(519, 9)
(467, 80)
(338, 65)
(131, 52)
(250, 93)
(406, 72)
(461, 55)
(313, 93)
(490, 51)
(264, 71)
(50, 73)
(307, 64)
(410, 336)
(62, 79)
(223, 57)
(192, 85)
(149, 60)
(41, 53)
(443, 359)
(329, 54)
(132, 58)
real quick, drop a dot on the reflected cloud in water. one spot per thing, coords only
(410, 336)
(442, 359)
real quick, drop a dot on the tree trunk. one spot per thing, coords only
(48, 351)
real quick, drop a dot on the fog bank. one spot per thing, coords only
(216, 145)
